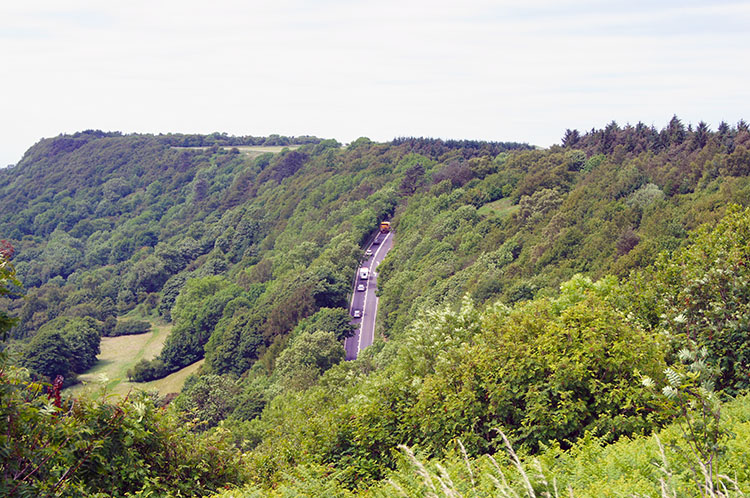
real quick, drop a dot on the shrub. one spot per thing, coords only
(701, 294)
(63, 447)
(130, 327)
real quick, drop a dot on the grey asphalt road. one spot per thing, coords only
(366, 301)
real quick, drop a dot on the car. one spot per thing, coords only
(357, 314)
(361, 288)
(368, 253)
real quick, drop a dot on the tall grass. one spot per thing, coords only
(485, 477)
(638, 467)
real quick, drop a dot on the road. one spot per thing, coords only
(366, 301)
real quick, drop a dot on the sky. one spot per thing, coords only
(519, 70)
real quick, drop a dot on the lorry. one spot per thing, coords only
(385, 226)
(364, 273)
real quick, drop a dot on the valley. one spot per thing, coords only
(577, 306)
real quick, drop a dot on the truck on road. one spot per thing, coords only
(364, 273)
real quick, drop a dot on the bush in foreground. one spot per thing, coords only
(85, 447)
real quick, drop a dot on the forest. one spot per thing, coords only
(563, 321)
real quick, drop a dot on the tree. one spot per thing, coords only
(701, 294)
(738, 162)
(675, 132)
(148, 275)
(196, 312)
(128, 327)
(9, 285)
(548, 370)
(412, 179)
(83, 338)
(329, 287)
(535, 206)
(211, 399)
(645, 196)
(169, 292)
(63, 346)
(146, 370)
(48, 354)
(627, 241)
(571, 138)
(61, 255)
(701, 135)
(287, 165)
(457, 172)
(308, 356)
(335, 320)
(609, 138)
(235, 343)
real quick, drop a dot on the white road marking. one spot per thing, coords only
(367, 287)
(373, 275)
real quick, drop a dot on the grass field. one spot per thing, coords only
(119, 354)
(253, 150)
(171, 383)
(500, 207)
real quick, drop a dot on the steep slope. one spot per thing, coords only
(106, 225)
(251, 259)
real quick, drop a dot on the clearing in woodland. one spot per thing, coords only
(251, 150)
(119, 354)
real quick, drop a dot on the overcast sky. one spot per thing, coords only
(520, 70)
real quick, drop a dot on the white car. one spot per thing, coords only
(361, 288)
(357, 314)
(368, 253)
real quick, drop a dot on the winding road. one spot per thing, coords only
(366, 301)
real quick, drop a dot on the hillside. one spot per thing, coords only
(250, 258)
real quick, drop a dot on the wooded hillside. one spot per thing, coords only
(538, 295)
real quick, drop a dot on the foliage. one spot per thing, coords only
(236, 342)
(252, 257)
(8, 284)
(62, 347)
(645, 196)
(334, 320)
(208, 400)
(309, 355)
(52, 446)
(105, 222)
(129, 327)
(567, 210)
(549, 372)
(147, 370)
(638, 466)
(689, 394)
(89, 446)
(702, 294)
(545, 371)
(196, 312)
